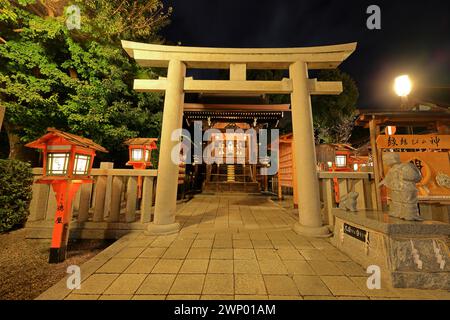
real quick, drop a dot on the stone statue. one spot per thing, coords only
(348, 201)
(401, 181)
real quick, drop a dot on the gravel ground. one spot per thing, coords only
(24, 270)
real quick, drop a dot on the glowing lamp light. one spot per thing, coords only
(355, 167)
(82, 164)
(402, 85)
(329, 164)
(390, 130)
(136, 154)
(57, 163)
(140, 152)
(341, 161)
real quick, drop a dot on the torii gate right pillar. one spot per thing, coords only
(310, 218)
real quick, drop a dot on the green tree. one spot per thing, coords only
(76, 80)
(334, 115)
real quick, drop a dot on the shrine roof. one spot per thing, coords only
(71, 138)
(418, 115)
(141, 141)
(197, 111)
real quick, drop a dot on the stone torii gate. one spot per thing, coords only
(297, 60)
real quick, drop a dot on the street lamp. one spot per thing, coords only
(402, 87)
(67, 164)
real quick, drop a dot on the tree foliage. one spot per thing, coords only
(334, 115)
(16, 180)
(77, 80)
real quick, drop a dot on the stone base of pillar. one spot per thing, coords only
(162, 229)
(318, 232)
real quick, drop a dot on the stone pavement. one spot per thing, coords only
(230, 247)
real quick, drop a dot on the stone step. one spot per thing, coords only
(252, 187)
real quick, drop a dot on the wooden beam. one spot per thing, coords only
(238, 87)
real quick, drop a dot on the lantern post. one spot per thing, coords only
(140, 155)
(67, 163)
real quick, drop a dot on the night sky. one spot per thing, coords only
(414, 36)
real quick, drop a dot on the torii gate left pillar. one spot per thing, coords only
(166, 187)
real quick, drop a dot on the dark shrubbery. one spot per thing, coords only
(16, 181)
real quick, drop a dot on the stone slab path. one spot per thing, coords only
(230, 247)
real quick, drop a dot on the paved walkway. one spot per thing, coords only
(230, 247)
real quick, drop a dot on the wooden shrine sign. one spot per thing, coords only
(428, 141)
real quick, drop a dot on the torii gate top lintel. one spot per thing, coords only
(320, 57)
(238, 61)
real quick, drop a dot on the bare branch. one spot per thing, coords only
(119, 7)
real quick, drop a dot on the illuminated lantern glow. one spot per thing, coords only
(390, 130)
(140, 150)
(57, 163)
(140, 155)
(82, 164)
(136, 154)
(402, 85)
(341, 161)
(67, 163)
(355, 167)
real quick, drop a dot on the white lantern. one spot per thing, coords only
(136, 154)
(82, 164)
(341, 161)
(57, 163)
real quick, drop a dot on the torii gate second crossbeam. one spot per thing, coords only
(297, 60)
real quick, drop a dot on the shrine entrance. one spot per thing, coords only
(297, 60)
(233, 143)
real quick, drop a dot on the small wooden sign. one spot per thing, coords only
(426, 141)
(355, 232)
